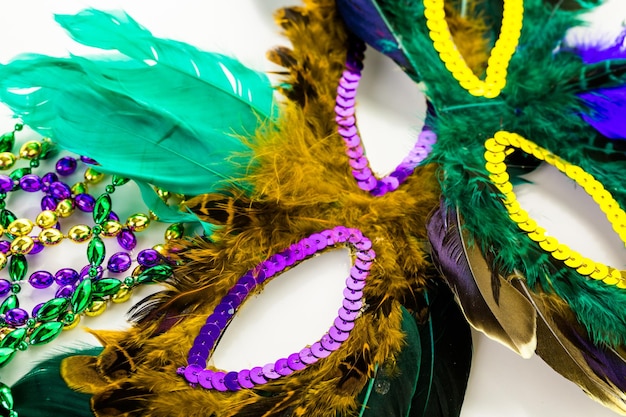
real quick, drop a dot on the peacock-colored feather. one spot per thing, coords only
(113, 109)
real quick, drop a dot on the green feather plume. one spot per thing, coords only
(164, 112)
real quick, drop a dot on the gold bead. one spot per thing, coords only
(50, 237)
(79, 233)
(30, 150)
(65, 208)
(92, 176)
(7, 160)
(97, 307)
(111, 228)
(161, 249)
(79, 188)
(137, 271)
(74, 323)
(138, 222)
(46, 219)
(20, 227)
(164, 194)
(3, 260)
(22, 245)
(122, 295)
(174, 231)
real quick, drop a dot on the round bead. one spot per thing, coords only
(7, 160)
(20, 227)
(46, 219)
(66, 166)
(138, 222)
(22, 245)
(79, 233)
(30, 149)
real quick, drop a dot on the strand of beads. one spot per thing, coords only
(344, 116)
(501, 54)
(496, 150)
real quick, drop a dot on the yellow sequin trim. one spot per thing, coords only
(501, 53)
(496, 149)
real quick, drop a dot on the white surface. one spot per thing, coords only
(501, 384)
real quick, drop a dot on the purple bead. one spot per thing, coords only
(37, 247)
(85, 202)
(49, 178)
(37, 308)
(113, 216)
(119, 262)
(60, 190)
(6, 183)
(64, 292)
(41, 279)
(5, 287)
(148, 257)
(66, 165)
(85, 272)
(5, 246)
(31, 183)
(48, 203)
(127, 239)
(16, 317)
(66, 276)
(87, 160)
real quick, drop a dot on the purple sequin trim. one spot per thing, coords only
(344, 116)
(195, 372)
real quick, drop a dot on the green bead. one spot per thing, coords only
(34, 163)
(129, 281)
(102, 208)
(106, 286)
(96, 251)
(18, 267)
(7, 141)
(6, 354)
(6, 218)
(47, 149)
(118, 181)
(13, 339)
(68, 318)
(16, 288)
(9, 303)
(82, 296)
(30, 323)
(46, 332)
(6, 397)
(109, 189)
(96, 230)
(52, 309)
(174, 231)
(156, 273)
(19, 173)
(22, 346)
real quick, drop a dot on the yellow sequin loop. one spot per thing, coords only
(497, 148)
(501, 53)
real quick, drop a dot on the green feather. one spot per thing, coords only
(166, 113)
(43, 393)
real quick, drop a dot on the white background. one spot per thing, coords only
(390, 107)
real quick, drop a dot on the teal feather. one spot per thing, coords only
(178, 118)
(43, 393)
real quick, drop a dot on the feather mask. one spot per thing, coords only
(554, 105)
(409, 336)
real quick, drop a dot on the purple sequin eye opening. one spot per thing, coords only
(332, 340)
(347, 129)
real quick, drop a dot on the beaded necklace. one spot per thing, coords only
(503, 143)
(346, 121)
(497, 65)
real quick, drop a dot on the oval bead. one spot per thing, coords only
(96, 308)
(45, 332)
(3, 260)
(22, 245)
(6, 218)
(6, 399)
(20, 227)
(102, 208)
(16, 317)
(79, 188)
(50, 237)
(138, 222)
(7, 141)
(7, 160)
(148, 257)
(82, 296)
(6, 354)
(121, 296)
(30, 149)
(52, 309)
(65, 208)
(79, 233)
(9, 303)
(96, 251)
(17, 174)
(14, 338)
(31, 183)
(66, 166)
(59, 190)
(174, 231)
(41, 279)
(156, 273)
(18, 267)
(49, 178)
(118, 181)
(85, 202)
(92, 176)
(48, 203)
(70, 321)
(66, 276)
(127, 239)
(111, 228)
(46, 219)
(119, 262)
(5, 287)
(106, 287)
(6, 184)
